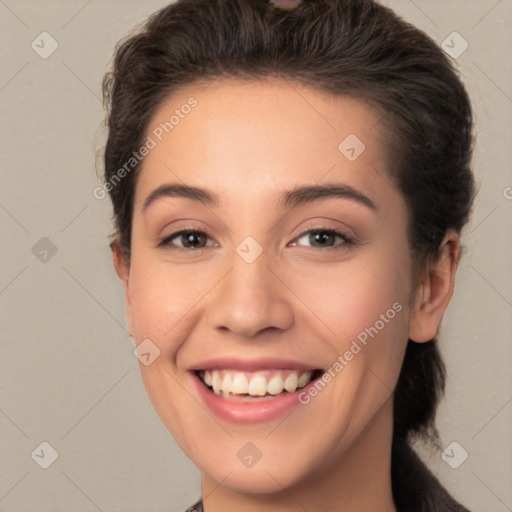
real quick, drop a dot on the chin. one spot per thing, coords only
(250, 481)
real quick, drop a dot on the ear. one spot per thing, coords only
(435, 290)
(123, 271)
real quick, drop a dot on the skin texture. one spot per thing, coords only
(249, 142)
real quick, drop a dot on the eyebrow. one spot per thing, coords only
(291, 198)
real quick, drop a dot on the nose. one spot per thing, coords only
(250, 299)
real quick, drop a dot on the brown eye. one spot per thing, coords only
(192, 238)
(187, 240)
(325, 238)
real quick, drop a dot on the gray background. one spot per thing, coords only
(68, 374)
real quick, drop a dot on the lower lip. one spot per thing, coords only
(248, 412)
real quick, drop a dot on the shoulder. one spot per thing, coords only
(415, 487)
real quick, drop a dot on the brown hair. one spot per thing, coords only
(357, 48)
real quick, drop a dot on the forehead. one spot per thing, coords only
(259, 136)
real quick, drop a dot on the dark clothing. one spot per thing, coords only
(415, 488)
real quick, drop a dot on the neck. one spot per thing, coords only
(358, 481)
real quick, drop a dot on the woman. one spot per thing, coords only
(289, 183)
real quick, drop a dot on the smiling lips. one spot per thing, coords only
(225, 382)
(252, 391)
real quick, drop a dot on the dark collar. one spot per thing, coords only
(415, 488)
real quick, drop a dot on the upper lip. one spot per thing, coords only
(251, 365)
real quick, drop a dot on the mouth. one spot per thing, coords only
(263, 385)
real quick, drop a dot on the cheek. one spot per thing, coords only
(360, 308)
(160, 298)
(352, 297)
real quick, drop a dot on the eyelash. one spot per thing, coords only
(166, 242)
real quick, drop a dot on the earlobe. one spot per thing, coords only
(435, 291)
(119, 263)
(123, 271)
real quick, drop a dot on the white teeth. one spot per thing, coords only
(258, 386)
(216, 382)
(255, 384)
(275, 385)
(226, 383)
(291, 382)
(240, 384)
(304, 379)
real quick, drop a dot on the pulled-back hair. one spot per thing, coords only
(356, 48)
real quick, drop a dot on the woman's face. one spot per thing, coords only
(267, 284)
